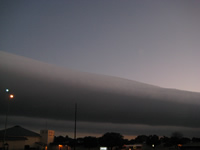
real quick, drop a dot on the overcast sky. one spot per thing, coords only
(150, 41)
(45, 97)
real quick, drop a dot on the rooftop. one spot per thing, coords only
(18, 131)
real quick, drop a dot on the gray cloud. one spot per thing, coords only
(47, 91)
(64, 128)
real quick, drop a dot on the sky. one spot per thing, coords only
(154, 42)
(45, 96)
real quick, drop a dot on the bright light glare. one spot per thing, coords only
(7, 90)
(11, 96)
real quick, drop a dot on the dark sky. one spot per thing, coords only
(154, 42)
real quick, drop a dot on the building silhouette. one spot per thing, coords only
(18, 138)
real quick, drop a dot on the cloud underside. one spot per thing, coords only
(46, 91)
(64, 128)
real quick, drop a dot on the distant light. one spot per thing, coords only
(7, 90)
(11, 96)
(60, 146)
(179, 145)
(103, 148)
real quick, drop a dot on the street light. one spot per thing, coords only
(9, 96)
(7, 90)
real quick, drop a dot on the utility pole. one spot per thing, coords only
(75, 126)
(8, 99)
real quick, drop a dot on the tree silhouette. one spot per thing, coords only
(63, 140)
(176, 137)
(90, 142)
(184, 140)
(141, 139)
(111, 140)
(194, 139)
(153, 140)
(59, 140)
